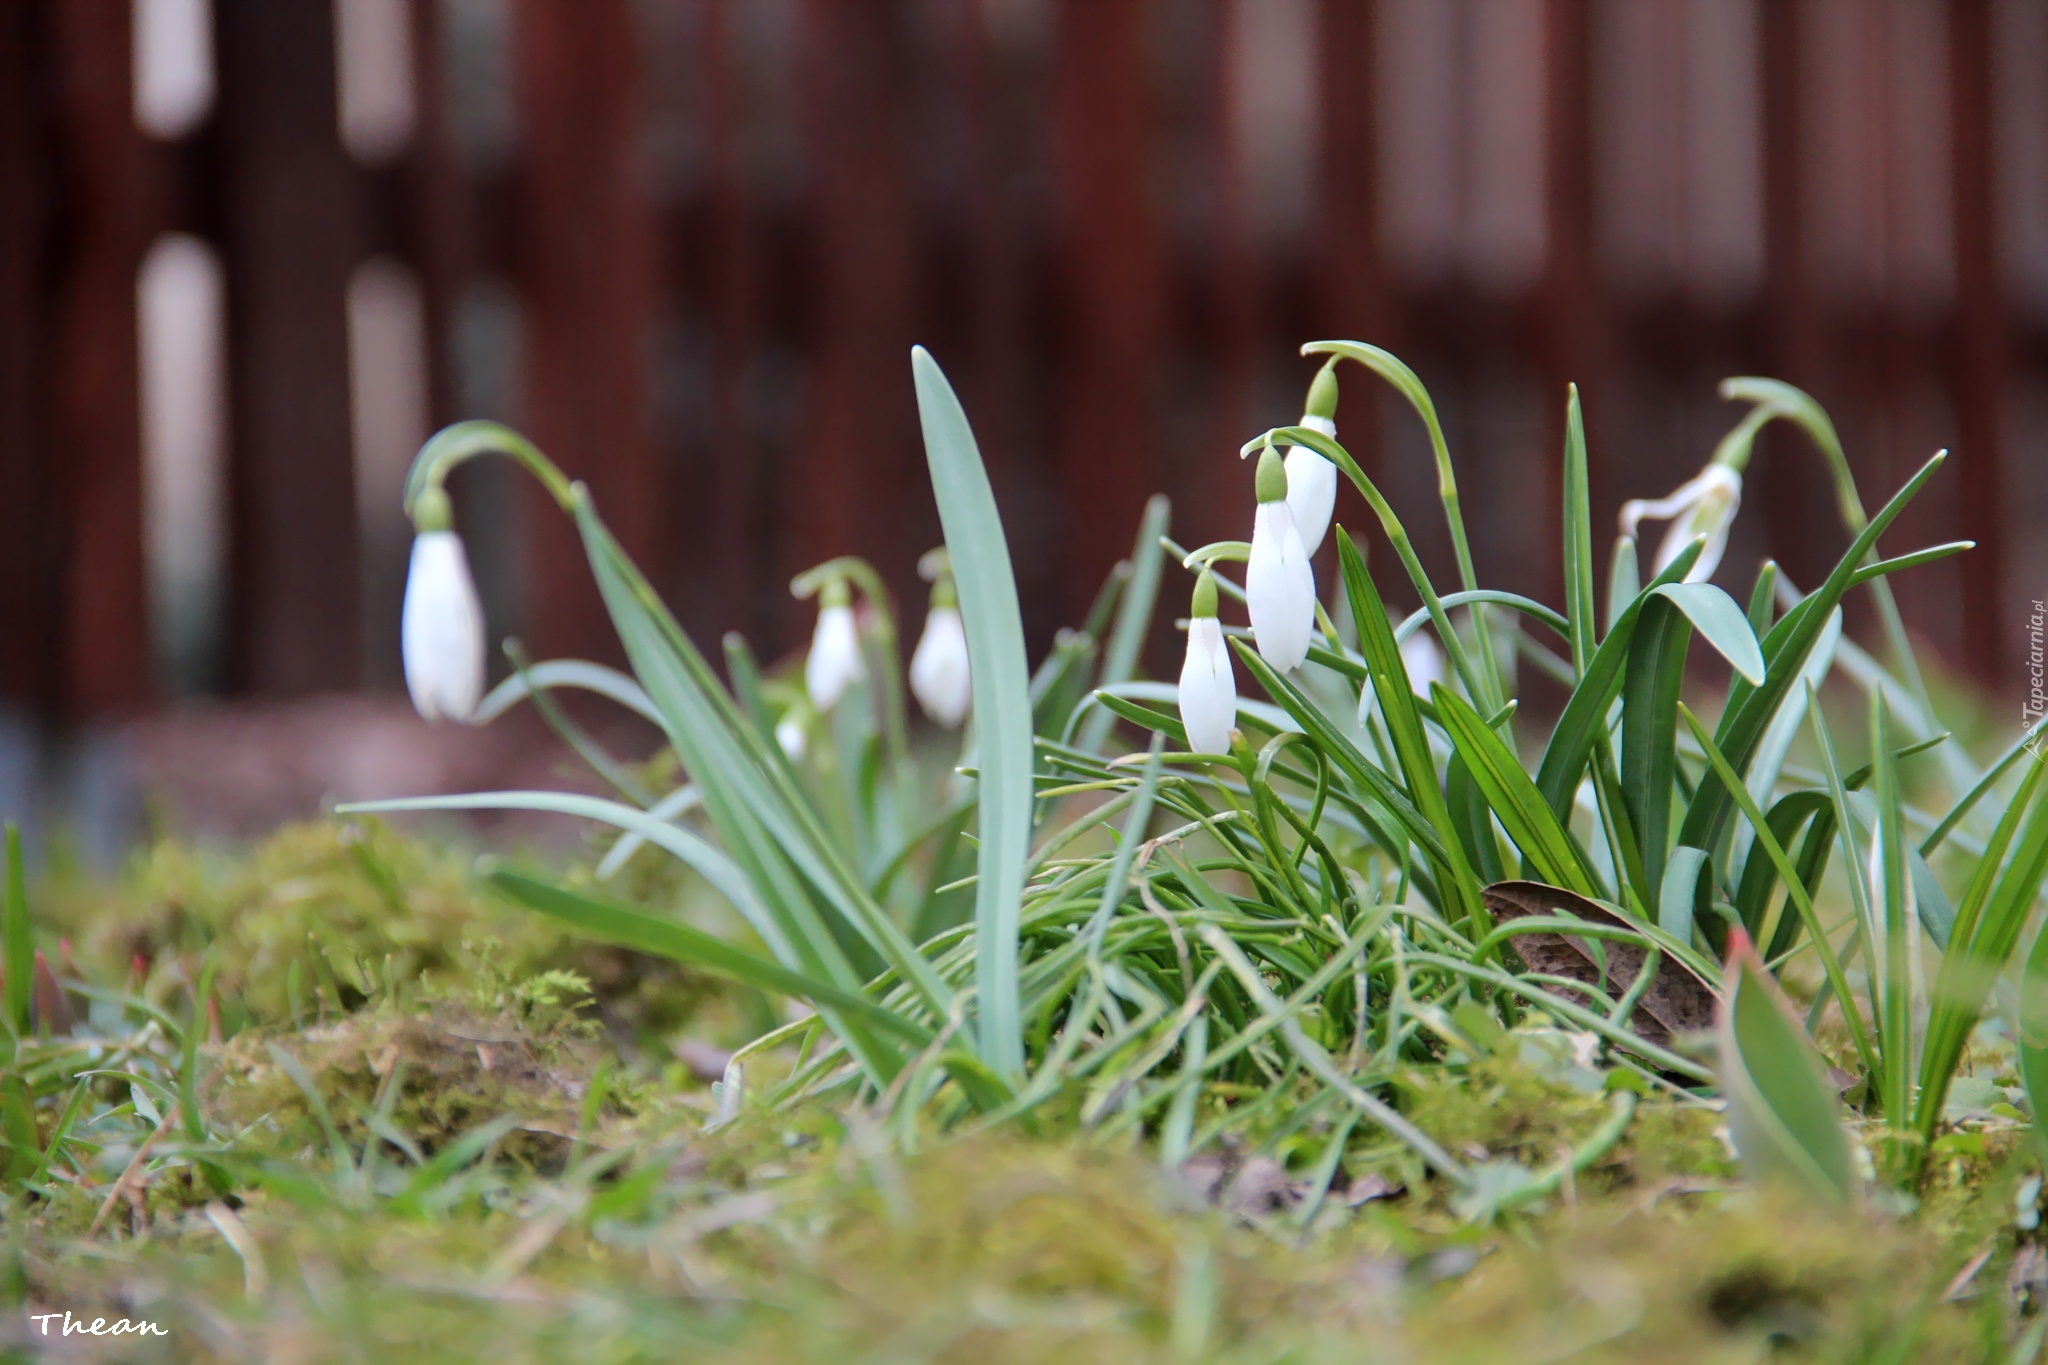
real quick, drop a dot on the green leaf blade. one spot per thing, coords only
(1002, 703)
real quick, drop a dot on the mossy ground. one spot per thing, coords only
(610, 1221)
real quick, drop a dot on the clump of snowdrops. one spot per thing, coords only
(1176, 909)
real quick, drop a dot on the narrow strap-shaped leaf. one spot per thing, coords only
(1749, 710)
(1675, 892)
(1585, 716)
(1379, 789)
(1649, 729)
(1409, 385)
(1987, 928)
(1002, 707)
(1520, 808)
(1388, 674)
(578, 673)
(1784, 1117)
(1133, 615)
(2033, 1039)
(700, 856)
(1720, 623)
(1838, 980)
(661, 936)
(17, 947)
(1578, 536)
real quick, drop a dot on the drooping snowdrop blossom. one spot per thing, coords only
(441, 629)
(834, 663)
(1208, 686)
(1704, 505)
(1423, 660)
(1279, 584)
(791, 735)
(1311, 479)
(939, 676)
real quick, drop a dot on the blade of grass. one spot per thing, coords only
(678, 942)
(1838, 981)
(1133, 616)
(1002, 707)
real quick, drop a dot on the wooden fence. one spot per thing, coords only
(687, 243)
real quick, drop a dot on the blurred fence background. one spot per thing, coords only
(253, 251)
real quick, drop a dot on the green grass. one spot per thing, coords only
(496, 1168)
(1070, 1042)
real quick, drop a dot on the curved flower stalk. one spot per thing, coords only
(940, 677)
(834, 664)
(1208, 685)
(1311, 478)
(1704, 505)
(441, 630)
(1279, 583)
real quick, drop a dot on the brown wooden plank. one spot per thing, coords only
(30, 547)
(587, 276)
(725, 570)
(290, 234)
(1215, 490)
(1575, 326)
(1979, 353)
(1786, 484)
(1351, 292)
(858, 484)
(113, 209)
(1111, 283)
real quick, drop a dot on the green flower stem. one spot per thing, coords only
(895, 710)
(452, 445)
(1485, 685)
(1776, 399)
(1410, 386)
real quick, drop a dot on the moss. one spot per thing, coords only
(349, 910)
(437, 1073)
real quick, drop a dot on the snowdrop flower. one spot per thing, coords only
(1279, 585)
(835, 663)
(1208, 687)
(790, 734)
(1311, 479)
(939, 675)
(1704, 505)
(1423, 660)
(441, 631)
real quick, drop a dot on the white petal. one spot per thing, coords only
(1423, 660)
(1208, 689)
(939, 675)
(789, 733)
(835, 663)
(1710, 511)
(1280, 588)
(1311, 493)
(441, 629)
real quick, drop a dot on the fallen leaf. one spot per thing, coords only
(1677, 1001)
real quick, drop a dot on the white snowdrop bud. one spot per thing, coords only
(1704, 505)
(1279, 584)
(1208, 686)
(441, 630)
(790, 735)
(1311, 487)
(1311, 479)
(834, 663)
(939, 676)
